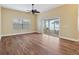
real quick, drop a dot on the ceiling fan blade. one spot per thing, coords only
(37, 11)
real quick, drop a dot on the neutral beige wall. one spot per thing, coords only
(68, 22)
(78, 21)
(0, 22)
(9, 15)
(78, 36)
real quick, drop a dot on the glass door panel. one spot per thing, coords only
(57, 26)
(51, 22)
(51, 27)
(46, 26)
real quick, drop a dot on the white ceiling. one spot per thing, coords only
(26, 7)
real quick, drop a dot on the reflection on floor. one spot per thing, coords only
(52, 33)
(37, 44)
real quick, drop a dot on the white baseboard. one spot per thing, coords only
(17, 33)
(0, 37)
(76, 40)
(38, 32)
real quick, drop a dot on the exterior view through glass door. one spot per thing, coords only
(52, 26)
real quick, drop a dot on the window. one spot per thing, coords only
(21, 24)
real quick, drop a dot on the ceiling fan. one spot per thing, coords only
(34, 10)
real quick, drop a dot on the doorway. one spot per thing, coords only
(52, 26)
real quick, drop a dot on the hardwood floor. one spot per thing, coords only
(37, 44)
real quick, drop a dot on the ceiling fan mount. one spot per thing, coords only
(34, 11)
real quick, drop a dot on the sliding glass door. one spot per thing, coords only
(52, 26)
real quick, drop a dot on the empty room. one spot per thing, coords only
(39, 29)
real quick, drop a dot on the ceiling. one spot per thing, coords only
(26, 7)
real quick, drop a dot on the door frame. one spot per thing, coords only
(49, 23)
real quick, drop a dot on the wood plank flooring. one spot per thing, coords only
(37, 44)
